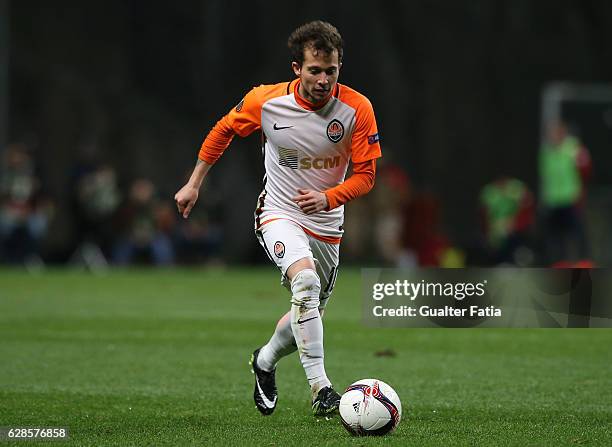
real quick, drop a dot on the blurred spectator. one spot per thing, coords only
(507, 207)
(565, 166)
(407, 225)
(391, 197)
(422, 234)
(146, 226)
(198, 239)
(96, 200)
(24, 212)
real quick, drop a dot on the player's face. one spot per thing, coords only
(318, 74)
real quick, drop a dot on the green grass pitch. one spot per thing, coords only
(149, 357)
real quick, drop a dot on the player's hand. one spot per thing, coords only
(310, 201)
(185, 199)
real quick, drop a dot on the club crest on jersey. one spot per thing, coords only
(279, 249)
(335, 131)
(239, 106)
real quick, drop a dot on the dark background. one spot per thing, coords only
(455, 86)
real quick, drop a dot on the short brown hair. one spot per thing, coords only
(318, 35)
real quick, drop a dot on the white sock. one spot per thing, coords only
(308, 332)
(280, 345)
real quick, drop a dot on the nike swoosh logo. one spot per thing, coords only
(308, 319)
(267, 402)
(277, 127)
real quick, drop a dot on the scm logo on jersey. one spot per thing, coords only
(320, 163)
(335, 131)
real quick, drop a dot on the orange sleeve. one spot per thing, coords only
(217, 140)
(243, 120)
(358, 184)
(365, 145)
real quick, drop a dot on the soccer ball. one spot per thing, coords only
(370, 407)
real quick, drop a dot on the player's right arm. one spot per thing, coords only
(187, 196)
(243, 119)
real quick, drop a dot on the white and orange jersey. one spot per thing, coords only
(303, 147)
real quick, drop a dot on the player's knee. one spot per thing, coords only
(305, 288)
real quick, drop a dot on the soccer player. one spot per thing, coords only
(312, 127)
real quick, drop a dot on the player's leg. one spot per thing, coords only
(280, 345)
(289, 247)
(327, 260)
(326, 400)
(306, 321)
(275, 237)
(285, 243)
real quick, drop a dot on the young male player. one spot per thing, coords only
(312, 127)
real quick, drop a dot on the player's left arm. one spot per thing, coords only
(365, 149)
(358, 184)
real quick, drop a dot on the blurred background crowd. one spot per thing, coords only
(110, 223)
(488, 159)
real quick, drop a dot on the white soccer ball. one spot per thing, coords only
(370, 407)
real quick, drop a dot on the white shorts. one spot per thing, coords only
(285, 242)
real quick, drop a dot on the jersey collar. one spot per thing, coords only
(307, 104)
